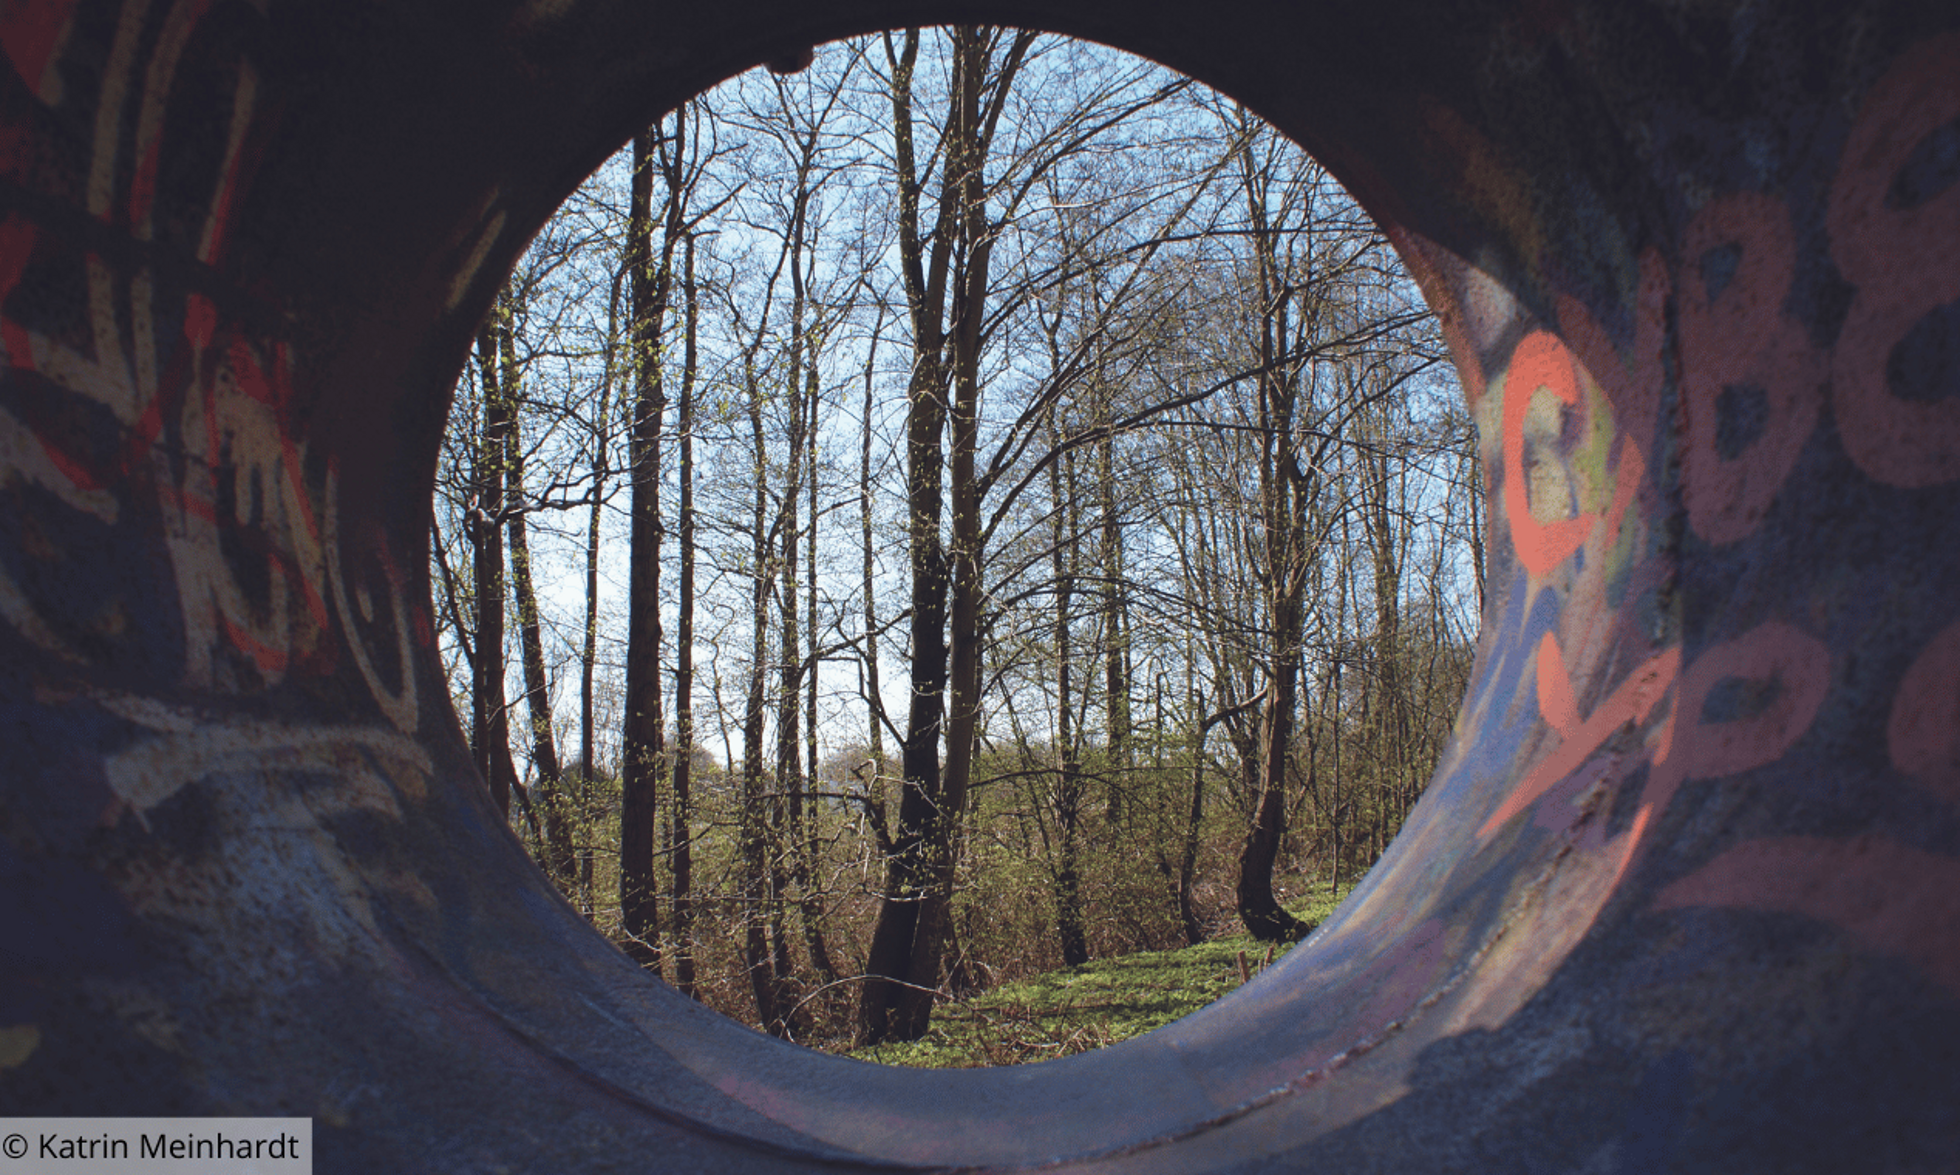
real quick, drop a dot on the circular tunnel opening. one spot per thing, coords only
(1213, 445)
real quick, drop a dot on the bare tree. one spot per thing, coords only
(490, 717)
(642, 744)
(1142, 423)
(683, 801)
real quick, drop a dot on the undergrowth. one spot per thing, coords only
(1098, 1003)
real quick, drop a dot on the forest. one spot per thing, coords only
(965, 504)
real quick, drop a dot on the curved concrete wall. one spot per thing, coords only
(1685, 894)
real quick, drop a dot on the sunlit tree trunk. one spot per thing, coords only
(1283, 499)
(1068, 775)
(553, 816)
(889, 957)
(589, 652)
(811, 905)
(1116, 625)
(758, 895)
(682, 808)
(874, 687)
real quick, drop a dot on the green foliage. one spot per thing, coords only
(1098, 1003)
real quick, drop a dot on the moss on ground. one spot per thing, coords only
(1098, 1003)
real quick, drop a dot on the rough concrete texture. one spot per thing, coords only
(1685, 895)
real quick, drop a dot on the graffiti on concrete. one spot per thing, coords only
(1714, 732)
(140, 394)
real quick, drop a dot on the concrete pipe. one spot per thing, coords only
(1683, 896)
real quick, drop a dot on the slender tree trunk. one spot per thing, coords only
(1344, 792)
(873, 686)
(794, 851)
(1187, 862)
(1116, 628)
(589, 654)
(490, 726)
(965, 166)
(758, 895)
(683, 819)
(786, 802)
(874, 786)
(1258, 908)
(779, 843)
(789, 690)
(1068, 781)
(1392, 709)
(555, 823)
(1283, 487)
(908, 870)
(811, 908)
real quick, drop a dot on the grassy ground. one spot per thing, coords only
(1099, 1003)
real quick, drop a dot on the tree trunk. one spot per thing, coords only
(1283, 495)
(683, 820)
(811, 902)
(1187, 861)
(1068, 782)
(787, 799)
(1116, 627)
(874, 687)
(908, 869)
(754, 847)
(888, 959)
(914, 918)
(758, 894)
(490, 725)
(554, 819)
(589, 653)
(642, 747)
(802, 384)
(1258, 908)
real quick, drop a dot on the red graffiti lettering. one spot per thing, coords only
(245, 453)
(1540, 361)
(1905, 263)
(30, 33)
(399, 704)
(16, 248)
(1893, 898)
(1791, 667)
(1741, 344)
(1631, 379)
(1555, 700)
(1633, 701)
(1923, 734)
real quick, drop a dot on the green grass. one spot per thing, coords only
(1096, 1004)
